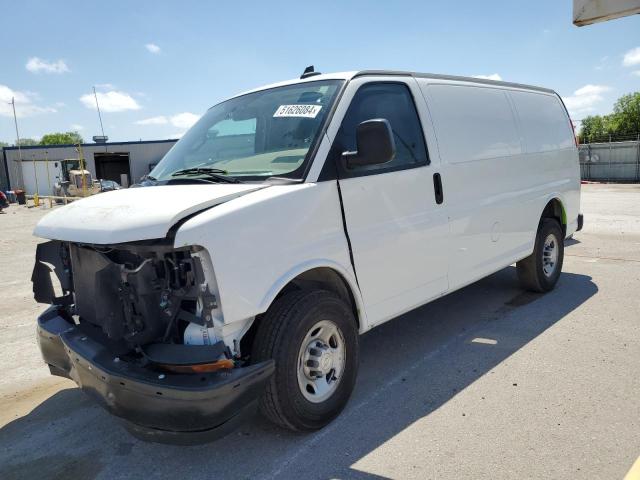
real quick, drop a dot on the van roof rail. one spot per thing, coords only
(309, 72)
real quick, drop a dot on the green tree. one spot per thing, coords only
(596, 127)
(59, 138)
(3, 144)
(624, 122)
(626, 114)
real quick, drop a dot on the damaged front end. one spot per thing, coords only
(117, 326)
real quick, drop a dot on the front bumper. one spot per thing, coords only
(157, 406)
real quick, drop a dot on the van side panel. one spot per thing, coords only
(549, 143)
(481, 154)
(494, 188)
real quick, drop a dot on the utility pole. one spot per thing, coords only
(95, 95)
(15, 121)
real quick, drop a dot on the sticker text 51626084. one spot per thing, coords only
(307, 111)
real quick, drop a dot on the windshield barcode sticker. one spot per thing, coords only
(306, 111)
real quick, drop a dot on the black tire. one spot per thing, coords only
(280, 335)
(530, 270)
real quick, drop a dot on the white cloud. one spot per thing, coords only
(176, 135)
(153, 48)
(34, 96)
(585, 99)
(589, 90)
(24, 103)
(636, 73)
(76, 127)
(37, 65)
(111, 101)
(493, 76)
(184, 120)
(632, 57)
(159, 120)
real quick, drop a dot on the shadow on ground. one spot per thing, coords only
(409, 368)
(571, 241)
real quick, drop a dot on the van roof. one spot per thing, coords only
(436, 76)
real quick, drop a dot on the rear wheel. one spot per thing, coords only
(540, 271)
(313, 337)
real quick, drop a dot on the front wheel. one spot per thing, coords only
(540, 271)
(313, 338)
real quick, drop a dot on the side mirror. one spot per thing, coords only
(374, 140)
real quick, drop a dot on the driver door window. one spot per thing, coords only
(393, 102)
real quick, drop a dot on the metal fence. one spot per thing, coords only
(611, 161)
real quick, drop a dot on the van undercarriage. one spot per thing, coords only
(116, 326)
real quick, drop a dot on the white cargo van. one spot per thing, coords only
(286, 222)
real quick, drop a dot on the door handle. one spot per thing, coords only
(437, 188)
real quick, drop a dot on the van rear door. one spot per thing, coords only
(398, 231)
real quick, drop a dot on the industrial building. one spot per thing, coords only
(35, 169)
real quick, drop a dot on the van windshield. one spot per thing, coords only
(254, 136)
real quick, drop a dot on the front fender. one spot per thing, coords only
(346, 274)
(261, 241)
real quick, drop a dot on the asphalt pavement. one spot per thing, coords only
(489, 382)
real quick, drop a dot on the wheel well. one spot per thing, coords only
(555, 209)
(324, 278)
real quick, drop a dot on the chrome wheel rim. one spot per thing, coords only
(321, 361)
(550, 255)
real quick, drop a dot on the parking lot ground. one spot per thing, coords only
(489, 382)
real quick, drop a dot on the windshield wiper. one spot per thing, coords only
(207, 172)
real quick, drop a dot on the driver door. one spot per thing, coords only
(398, 231)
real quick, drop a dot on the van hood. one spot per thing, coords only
(134, 214)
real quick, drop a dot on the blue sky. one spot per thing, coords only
(159, 65)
